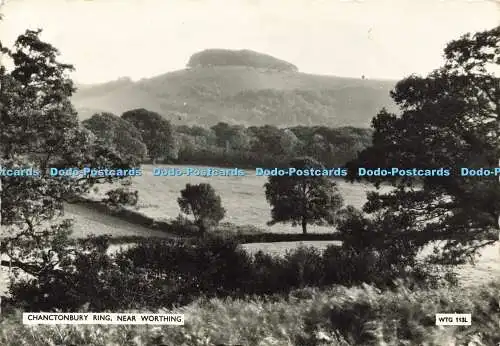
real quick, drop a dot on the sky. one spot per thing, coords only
(380, 39)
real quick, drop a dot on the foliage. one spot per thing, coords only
(155, 130)
(203, 203)
(87, 276)
(224, 144)
(303, 199)
(359, 315)
(167, 272)
(116, 133)
(271, 142)
(153, 273)
(39, 129)
(376, 245)
(448, 119)
(263, 146)
(333, 146)
(122, 196)
(224, 57)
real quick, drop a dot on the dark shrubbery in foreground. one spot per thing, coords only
(309, 317)
(175, 272)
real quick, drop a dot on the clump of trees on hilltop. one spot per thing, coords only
(225, 57)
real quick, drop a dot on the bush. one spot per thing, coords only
(298, 268)
(89, 277)
(183, 226)
(165, 273)
(203, 203)
(304, 267)
(210, 266)
(268, 276)
(382, 248)
(122, 196)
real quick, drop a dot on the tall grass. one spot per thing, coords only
(336, 316)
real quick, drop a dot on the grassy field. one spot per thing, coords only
(243, 198)
(87, 221)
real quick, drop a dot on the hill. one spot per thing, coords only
(257, 93)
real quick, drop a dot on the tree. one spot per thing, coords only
(203, 203)
(118, 134)
(303, 199)
(240, 140)
(156, 131)
(223, 132)
(290, 142)
(39, 129)
(449, 119)
(268, 141)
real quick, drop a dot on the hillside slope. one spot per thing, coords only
(243, 95)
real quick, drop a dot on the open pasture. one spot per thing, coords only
(243, 198)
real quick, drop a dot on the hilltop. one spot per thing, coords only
(245, 57)
(242, 87)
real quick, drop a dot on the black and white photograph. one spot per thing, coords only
(249, 172)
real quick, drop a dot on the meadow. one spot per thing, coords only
(243, 198)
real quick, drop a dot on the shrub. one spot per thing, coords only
(89, 277)
(268, 276)
(172, 272)
(203, 203)
(153, 273)
(122, 196)
(212, 266)
(383, 248)
(303, 267)
(183, 226)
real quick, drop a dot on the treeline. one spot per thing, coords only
(148, 137)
